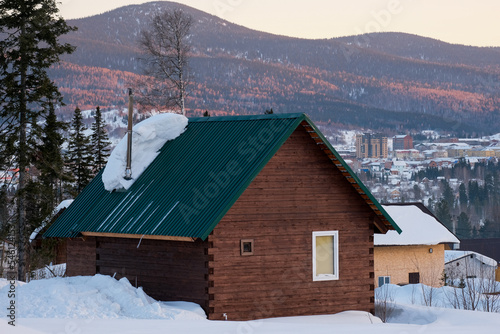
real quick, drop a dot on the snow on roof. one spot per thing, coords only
(419, 228)
(148, 137)
(63, 205)
(452, 255)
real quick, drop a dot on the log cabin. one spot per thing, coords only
(249, 216)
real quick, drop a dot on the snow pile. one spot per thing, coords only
(93, 297)
(102, 305)
(410, 302)
(418, 228)
(148, 137)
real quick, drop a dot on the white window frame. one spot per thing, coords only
(326, 277)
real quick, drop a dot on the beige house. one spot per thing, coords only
(417, 254)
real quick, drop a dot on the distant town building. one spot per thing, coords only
(410, 154)
(402, 142)
(371, 146)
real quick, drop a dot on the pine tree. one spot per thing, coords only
(464, 228)
(29, 45)
(79, 156)
(462, 191)
(417, 192)
(100, 142)
(50, 161)
(442, 212)
(448, 195)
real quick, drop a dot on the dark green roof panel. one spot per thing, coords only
(194, 180)
(191, 184)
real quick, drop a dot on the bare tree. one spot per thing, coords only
(384, 302)
(474, 288)
(166, 53)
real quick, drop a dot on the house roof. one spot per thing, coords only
(455, 255)
(419, 225)
(195, 180)
(62, 206)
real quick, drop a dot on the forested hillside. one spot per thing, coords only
(376, 80)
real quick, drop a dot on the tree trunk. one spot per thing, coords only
(22, 164)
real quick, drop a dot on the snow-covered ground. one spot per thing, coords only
(101, 304)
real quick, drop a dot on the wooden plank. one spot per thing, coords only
(137, 236)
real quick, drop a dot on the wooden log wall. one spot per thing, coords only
(80, 256)
(61, 252)
(167, 270)
(299, 191)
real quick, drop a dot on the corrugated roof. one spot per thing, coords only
(195, 180)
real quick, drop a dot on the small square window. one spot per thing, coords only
(246, 246)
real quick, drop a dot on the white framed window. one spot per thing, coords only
(325, 251)
(384, 280)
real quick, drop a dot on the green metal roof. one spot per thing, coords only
(194, 180)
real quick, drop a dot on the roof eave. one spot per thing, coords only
(257, 170)
(371, 201)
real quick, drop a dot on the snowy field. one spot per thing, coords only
(101, 304)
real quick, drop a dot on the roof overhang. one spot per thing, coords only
(137, 236)
(382, 220)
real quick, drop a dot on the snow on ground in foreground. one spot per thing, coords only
(103, 305)
(148, 137)
(93, 297)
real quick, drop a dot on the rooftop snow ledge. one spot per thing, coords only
(148, 137)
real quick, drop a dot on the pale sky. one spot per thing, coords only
(469, 22)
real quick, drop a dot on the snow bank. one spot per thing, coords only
(93, 297)
(148, 137)
(418, 228)
(411, 301)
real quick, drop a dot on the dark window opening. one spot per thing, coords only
(246, 246)
(414, 278)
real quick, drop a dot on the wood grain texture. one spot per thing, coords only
(167, 270)
(299, 191)
(80, 255)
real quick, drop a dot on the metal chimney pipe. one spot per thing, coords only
(128, 169)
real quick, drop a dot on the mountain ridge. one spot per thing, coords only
(240, 70)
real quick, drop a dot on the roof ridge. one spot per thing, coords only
(256, 117)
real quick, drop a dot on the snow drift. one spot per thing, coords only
(148, 137)
(93, 297)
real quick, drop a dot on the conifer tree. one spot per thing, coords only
(462, 191)
(448, 195)
(100, 142)
(442, 212)
(79, 156)
(464, 229)
(29, 45)
(50, 161)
